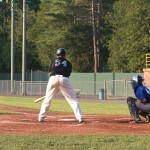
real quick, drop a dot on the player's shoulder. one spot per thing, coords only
(142, 88)
(52, 61)
(67, 60)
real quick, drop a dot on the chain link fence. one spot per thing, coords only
(113, 89)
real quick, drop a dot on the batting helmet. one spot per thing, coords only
(136, 81)
(61, 52)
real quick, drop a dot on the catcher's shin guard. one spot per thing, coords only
(132, 108)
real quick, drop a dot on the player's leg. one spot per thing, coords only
(51, 90)
(145, 115)
(144, 110)
(69, 94)
(133, 109)
(145, 107)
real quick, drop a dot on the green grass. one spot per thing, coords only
(8, 112)
(71, 142)
(63, 106)
(74, 142)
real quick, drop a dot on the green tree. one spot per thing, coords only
(64, 24)
(130, 39)
(32, 61)
(4, 36)
(50, 25)
(5, 33)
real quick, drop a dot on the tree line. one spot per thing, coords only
(122, 34)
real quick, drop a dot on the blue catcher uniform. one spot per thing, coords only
(139, 106)
(142, 92)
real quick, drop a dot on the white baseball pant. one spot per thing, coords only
(55, 84)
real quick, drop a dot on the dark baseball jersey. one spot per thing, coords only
(60, 66)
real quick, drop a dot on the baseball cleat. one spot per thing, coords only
(147, 118)
(135, 120)
(82, 120)
(41, 119)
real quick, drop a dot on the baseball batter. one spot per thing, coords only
(139, 106)
(60, 70)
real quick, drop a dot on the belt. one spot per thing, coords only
(57, 75)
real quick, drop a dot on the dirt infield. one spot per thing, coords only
(63, 124)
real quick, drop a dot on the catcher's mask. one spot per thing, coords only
(136, 81)
(61, 52)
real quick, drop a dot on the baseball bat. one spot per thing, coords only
(39, 99)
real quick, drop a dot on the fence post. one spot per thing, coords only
(94, 83)
(7, 87)
(125, 89)
(105, 92)
(20, 87)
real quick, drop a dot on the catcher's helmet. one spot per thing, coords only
(136, 81)
(61, 52)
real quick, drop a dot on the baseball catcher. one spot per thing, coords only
(139, 106)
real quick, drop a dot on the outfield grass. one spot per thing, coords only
(72, 142)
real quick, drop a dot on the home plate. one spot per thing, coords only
(66, 120)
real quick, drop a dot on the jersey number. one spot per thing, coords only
(58, 62)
